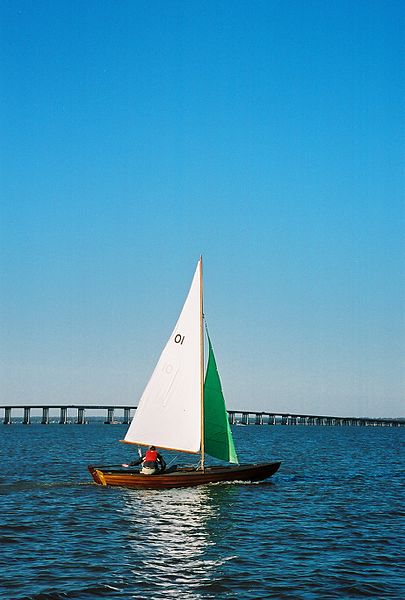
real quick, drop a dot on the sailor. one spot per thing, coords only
(152, 462)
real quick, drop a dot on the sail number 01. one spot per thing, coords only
(179, 339)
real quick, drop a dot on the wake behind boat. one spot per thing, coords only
(182, 410)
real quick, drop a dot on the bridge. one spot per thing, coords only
(236, 417)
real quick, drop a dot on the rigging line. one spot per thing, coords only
(206, 328)
(173, 459)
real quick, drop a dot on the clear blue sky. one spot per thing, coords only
(268, 136)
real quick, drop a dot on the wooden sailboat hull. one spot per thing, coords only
(182, 477)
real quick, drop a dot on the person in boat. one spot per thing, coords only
(153, 462)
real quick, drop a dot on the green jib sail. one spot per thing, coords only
(218, 441)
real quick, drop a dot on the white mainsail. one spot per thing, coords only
(169, 411)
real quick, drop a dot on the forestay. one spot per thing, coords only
(169, 411)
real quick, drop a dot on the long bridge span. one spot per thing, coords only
(75, 413)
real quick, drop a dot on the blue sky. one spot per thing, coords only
(268, 136)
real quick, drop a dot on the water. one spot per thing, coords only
(327, 525)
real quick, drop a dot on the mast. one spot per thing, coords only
(202, 364)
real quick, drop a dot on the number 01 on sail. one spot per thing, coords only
(183, 409)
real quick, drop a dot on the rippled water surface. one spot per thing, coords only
(327, 525)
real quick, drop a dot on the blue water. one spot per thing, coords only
(327, 525)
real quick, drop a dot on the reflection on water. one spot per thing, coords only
(170, 533)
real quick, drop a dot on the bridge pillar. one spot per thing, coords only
(63, 415)
(7, 415)
(80, 416)
(259, 419)
(26, 419)
(127, 413)
(272, 419)
(231, 417)
(110, 416)
(245, 418)
(45, 415)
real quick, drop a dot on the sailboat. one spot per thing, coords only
(183, 409)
